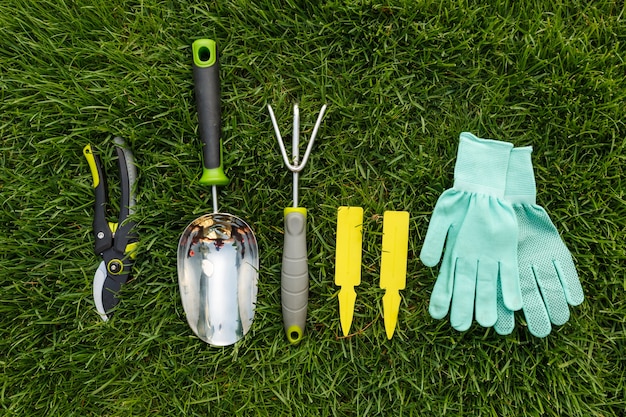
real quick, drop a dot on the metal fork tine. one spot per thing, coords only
(296, 166)
(309, 147)
(295, 140)
(283, 151)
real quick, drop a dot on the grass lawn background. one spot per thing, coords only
(402, 80)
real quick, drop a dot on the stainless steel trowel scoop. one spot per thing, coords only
(218, 257)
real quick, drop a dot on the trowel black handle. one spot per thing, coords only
(206, 77)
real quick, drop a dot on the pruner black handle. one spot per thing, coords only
(128, 176)
(206, 69)
(101, 230)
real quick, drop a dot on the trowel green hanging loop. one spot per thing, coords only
(204, 52)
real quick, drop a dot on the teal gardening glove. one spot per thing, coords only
(548, 277)
(479, 231)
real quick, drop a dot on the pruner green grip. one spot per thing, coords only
(100, 225)
(295, 274)
(93, 165)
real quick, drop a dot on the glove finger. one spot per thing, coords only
(509, 279)
(506, 318)
(462, 310)
(442, 291)
(486, 293)
(438, 228)
(534, 308)
(569, 280)
(552, 293)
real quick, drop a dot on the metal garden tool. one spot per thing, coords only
(393, 265)
(218, 256)
(348, 261)
(294, 272)
(115, 242)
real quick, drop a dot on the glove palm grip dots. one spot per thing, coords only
(548, 277)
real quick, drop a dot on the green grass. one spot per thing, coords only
(401, 81)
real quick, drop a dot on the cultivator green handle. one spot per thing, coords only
(295, 274)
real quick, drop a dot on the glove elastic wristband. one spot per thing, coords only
(520, 178)
(481, 165)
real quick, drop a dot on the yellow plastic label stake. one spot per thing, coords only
(348, 261)
(393, 265)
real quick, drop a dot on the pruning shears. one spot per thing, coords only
(115, 242)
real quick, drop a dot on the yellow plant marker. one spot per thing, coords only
(348, 261)
(393, 265)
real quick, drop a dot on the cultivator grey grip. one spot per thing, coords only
(295, 274)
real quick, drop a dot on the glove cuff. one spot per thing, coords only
(520, 178)
(481, 165)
